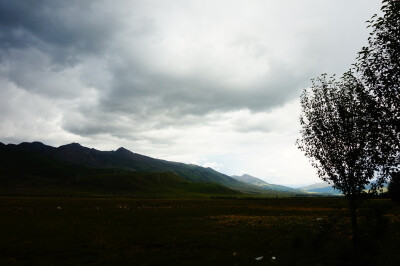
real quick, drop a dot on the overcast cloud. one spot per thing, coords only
(215, 83)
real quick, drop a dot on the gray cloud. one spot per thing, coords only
(47, 33)
(63, 29)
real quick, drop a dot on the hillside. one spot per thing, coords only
(258, 182)
(36, 164)
(321, 188)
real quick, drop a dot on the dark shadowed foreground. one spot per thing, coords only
(128, 231)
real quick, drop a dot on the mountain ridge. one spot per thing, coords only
(67, 161)
(261, 183)
(321, 188)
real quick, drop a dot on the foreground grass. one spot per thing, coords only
(126, 231)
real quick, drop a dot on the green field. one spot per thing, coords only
(135, 231)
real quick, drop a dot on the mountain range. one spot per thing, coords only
(72, 167)
(261, 183)
(321, 188)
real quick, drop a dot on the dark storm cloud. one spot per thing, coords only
(154, 102)
(63, 29)
(196, 95)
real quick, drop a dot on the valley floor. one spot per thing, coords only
(131, 231)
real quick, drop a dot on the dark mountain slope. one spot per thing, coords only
(258, 182)
(123, 158)
(24, 160)
(28, 160)
(40, 169)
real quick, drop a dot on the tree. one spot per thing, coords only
(378, 66)
(394, 188)
(338, 136)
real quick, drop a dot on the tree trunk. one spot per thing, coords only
(353, 211)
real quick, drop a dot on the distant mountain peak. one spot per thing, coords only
(34, 143)
(122, 149)
(246, 178)
(74, 145)
(250, 179)
(247, 175)
(35, 146)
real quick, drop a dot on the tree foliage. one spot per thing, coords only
(378, 66)
(337, 133)
(394, 188)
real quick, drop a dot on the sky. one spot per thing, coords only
(213, 83)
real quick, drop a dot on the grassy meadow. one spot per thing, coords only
(219, 231)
